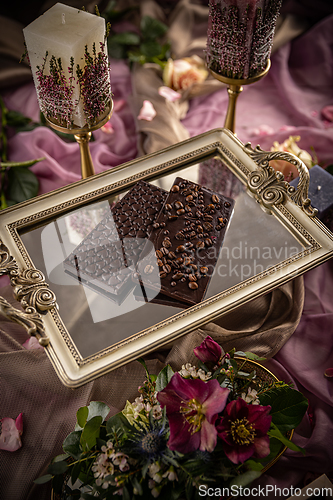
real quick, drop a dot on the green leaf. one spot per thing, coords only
(116, 50)
(60, 458)
(150, 48)
(76, 472)
(57, 468)
(43, 479)
(253, 465)
(126, 495)
(152, 28)
(276, 433)
(117, 423)
(137, 485)
(71, 445)
(164, 377)
(22, 184)
(254, 357)
(288, 406)
(91, 432)
(126, 38)
(16, 119)
(246, 478)
(82, 415)
(25, 164)
(98, 409)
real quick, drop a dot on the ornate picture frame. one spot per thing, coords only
(38, 309)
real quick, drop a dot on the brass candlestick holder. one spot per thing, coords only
(82, 136)
(235, 87)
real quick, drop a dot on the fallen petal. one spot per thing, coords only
(10, 434)
(107, 128)
(169, 94)
(32, 343)
(147, 112)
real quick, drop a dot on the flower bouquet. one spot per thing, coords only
(213, 427)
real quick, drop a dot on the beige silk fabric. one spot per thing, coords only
(29, 383)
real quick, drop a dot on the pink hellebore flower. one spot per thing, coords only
(10, 439)
(192, 407)
(147, 112)
(208, 351)
(243, 428)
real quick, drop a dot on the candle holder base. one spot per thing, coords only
(235, 87)
(82, 136)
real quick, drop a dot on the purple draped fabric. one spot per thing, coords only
(289, 101)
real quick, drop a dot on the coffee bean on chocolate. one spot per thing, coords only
(177, 276)
(187, 208)
(180, 236)
(192, 277)
(148, 269)
(200, 229)
(188, 245)
(175, 189)
(208, 242)
(164, 251)
(168, 207)
(227, 204)
(172, 255)
(173, 217)
(194, 267)
(166, 268)
(183, 280)
(163, 275)
(215, 199)
(178, 205)
(192, 285)
(179, 260)
(209, 207)
(187, 261)
(204, 270)
(166, 243)
(166, 232)
(181, 211)
(200, 244)
(173, 283)
(159, 263)
(208, 217)
(189, 197)
(218, 228)
(208, 226)
(180, 249)
(162, 224)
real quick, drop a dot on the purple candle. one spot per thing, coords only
(240, 36)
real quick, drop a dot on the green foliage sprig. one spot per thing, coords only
(17, 182)
(147, 46)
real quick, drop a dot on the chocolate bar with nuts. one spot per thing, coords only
(187, 238)
(105, 259)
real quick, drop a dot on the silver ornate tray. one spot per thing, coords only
(274, 236)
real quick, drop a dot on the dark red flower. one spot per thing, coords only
(243, 428)
(208, 351)
(192, 407)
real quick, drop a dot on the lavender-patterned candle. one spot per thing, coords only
(240, 36)
(69, 62)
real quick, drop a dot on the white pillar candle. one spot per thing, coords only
(68, 58)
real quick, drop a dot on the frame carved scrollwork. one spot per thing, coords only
(33, 293)
(269, 187)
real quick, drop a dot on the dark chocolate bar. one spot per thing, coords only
(147, 295)
(105, 259)
(186, 242)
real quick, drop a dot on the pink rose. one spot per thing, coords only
(180, 74)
